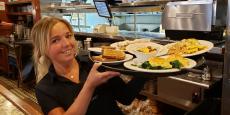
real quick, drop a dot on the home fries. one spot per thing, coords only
(186, 46)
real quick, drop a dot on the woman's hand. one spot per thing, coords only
(96, 78)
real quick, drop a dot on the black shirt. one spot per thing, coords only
(56, 91)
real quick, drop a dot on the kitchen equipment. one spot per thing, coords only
(87, 43)
(188, 15)
(197, 19)
(190, 19)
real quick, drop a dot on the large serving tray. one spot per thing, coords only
(120, 68)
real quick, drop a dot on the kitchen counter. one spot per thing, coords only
(187, 91)
(125, 35)
(101, 37)
(216, 69)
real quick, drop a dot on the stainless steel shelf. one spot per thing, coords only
(144, 3)
(134, 7)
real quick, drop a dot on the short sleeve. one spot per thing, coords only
(46, 102)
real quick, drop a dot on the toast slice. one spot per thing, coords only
(113, 54)
(107, 47)
(101, 59)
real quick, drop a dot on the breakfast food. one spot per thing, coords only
(172, 61)
(123, 44)
(107, 47)
(110, 55)
(186, 46)
(102, 59)
(113, 54)
(147, 49)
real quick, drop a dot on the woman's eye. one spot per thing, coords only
(68, 36)
(54, 40)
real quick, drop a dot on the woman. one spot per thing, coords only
(65, 83)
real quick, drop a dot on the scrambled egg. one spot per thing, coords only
(182, 60)
(165, 62)
(147, 49)
(162, 62)
(186, 46)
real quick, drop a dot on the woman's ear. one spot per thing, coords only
(42, 59)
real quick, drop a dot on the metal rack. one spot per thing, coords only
(134, 7)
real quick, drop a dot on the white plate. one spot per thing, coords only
(129, 65)
(122, 43)
(202, 42)
(127, 58)
(128, 42)
(95, 49)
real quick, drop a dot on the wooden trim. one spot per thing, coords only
(21, 104)
(4, 51)
(3, 15)
(36, 7)
(19, 2)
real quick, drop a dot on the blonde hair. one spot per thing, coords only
(40, 34)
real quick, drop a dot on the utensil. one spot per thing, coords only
(200, 62)
(195, 69)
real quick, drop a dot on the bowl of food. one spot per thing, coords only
(143, 51)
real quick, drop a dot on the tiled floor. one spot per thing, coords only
(8, 108)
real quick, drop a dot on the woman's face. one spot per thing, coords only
(61, 45)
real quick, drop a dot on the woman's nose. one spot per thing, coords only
(66, 42)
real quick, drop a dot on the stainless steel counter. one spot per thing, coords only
(187, 91)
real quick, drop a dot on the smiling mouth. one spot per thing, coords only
(67, 52)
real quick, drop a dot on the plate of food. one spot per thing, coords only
(166, 64)
(112, 57)
(189, 47)
(123, 44)
(98, 50)
(143, 51)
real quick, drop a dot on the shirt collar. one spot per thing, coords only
(54, 76)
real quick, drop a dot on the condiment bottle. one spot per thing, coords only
(87, 43)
